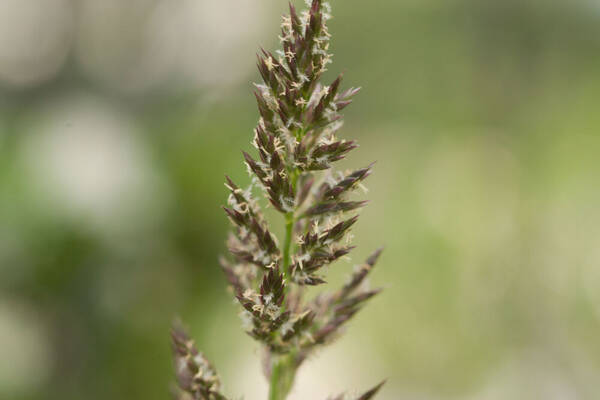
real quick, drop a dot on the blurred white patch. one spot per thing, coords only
(87, 161)
(347, 366)
(532, 375)
(35, 37)
(220, 39)
(26, 359)
(133, 46)
(247, 379)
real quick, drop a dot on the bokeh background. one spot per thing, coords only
(118, 120)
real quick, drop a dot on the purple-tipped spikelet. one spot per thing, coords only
(297, 142)
(195, 375)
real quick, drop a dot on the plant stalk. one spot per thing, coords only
(289, 231)
(289, 227)
(283, 368)
(283, 372)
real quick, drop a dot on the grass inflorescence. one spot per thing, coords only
(297, 143)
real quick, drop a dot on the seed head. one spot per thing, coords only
(297, 143)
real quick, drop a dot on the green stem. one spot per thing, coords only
(289, 227)
(283, 372)
(289, 231)
(274, 383)
(283, 368)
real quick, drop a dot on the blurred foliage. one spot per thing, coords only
(482, 117)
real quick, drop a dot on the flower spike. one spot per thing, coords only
(297, 144)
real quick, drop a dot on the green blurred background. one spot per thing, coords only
(118, 120)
